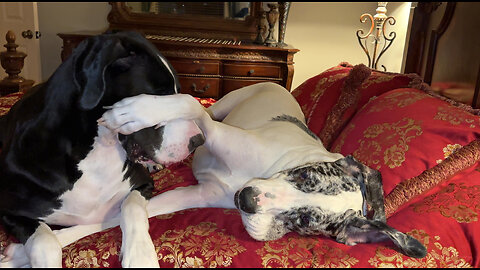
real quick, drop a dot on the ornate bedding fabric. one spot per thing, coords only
(426, 148)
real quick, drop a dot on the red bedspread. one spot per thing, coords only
(426, 150)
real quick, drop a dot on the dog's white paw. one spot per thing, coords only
(14, 256)
(140, 252)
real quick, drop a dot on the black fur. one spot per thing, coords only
(297, 122)
(49, 131)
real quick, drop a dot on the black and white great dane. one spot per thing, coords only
(59, 167)
(260, 157)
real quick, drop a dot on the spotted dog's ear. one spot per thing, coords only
(357, 230)
(90, 60)
(372, 179)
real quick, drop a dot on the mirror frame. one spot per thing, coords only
(121, 17)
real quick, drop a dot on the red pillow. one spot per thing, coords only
(319, 94)
(330, 99)
(406, 131)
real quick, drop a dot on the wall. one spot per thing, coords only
(56, 17)
(323, 31)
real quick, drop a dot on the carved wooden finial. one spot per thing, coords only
(10, 37)
(12, 61)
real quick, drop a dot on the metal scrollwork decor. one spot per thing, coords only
(380, 42)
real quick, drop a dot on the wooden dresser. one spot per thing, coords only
(207, 68)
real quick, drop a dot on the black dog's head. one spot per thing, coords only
(113, 66)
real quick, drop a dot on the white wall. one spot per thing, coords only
(323, 31)
(59, 17)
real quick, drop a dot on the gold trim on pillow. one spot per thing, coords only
(349, 97)
(458, 161)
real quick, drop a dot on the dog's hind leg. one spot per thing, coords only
(223, 106)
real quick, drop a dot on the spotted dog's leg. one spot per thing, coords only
(208, 193)
(135, 113)
(137, 246)
(354, 230)
(224, 106)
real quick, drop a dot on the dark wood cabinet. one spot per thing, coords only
(212, 70)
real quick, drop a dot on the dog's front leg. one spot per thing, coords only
(41, 249)
(137, 246)
(209, 193)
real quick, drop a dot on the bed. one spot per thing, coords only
(444, 48)
(426, 147)
(425, 144)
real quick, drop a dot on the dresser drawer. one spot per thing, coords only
(196, 67)
(200, 87)
(251, 70)
(234, 84)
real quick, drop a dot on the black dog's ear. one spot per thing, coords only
(125, 63)
(90, 60)
(360, 230)
(372, 179)
(138, 41)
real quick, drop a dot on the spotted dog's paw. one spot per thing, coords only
(139, 252)
(14, 256)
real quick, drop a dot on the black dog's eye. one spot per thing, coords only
(304, 175)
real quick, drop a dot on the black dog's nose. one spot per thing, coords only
(246, 200)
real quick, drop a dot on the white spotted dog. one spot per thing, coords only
(260, 157)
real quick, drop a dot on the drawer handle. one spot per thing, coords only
(251, 71)
(200, 91)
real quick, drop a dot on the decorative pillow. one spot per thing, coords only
(330, 99)
(408, 134)
(319, 94)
